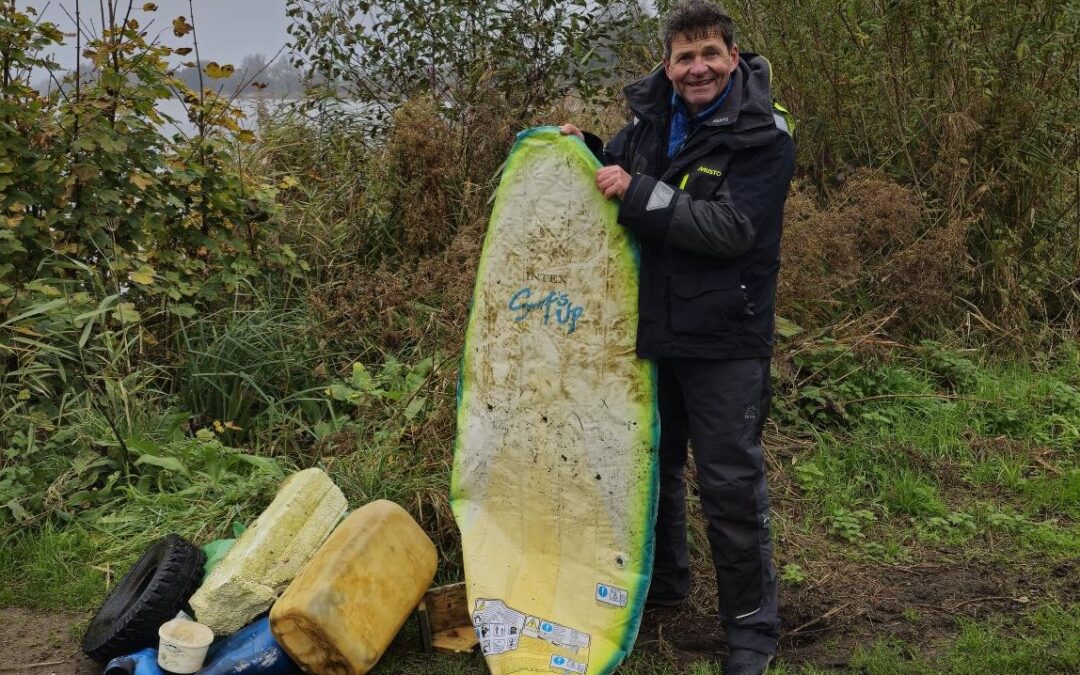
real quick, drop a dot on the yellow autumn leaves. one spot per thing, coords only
(219, 72)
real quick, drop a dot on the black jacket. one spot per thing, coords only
(708, 219)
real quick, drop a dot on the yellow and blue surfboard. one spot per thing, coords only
(554, 485)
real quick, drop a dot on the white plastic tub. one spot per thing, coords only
(183, 645)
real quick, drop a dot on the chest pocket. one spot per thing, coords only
(703, 182)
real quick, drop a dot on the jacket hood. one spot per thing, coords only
(747, 107)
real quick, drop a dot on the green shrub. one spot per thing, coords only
(90, 180)
(462, 52)
(971, 103)
(113, 232)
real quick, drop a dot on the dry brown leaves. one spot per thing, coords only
(873, 243)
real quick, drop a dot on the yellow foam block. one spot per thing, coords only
(270, 553)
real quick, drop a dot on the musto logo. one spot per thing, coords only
(552, 305)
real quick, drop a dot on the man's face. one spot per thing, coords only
(700, 69)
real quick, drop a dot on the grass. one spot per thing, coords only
(86, 538)
(256, 368)
(1057, 493)
(913, 493)
(1044, 641)
(976, 466)
(53, 569)
(1002, 457)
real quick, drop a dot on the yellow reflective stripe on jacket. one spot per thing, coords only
(788, 118)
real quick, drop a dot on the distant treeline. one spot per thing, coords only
(254, 75)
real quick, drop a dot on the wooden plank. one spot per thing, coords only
(448, 606)
(444, 621)
(423, 620)
(455, 641)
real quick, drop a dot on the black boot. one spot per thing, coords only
(746, 662)
(654, 601)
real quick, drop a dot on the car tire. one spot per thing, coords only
(151, 593)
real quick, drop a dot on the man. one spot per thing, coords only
(702, 173)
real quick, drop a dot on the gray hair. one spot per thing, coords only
(695, 19)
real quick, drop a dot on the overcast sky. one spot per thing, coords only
(228, 30)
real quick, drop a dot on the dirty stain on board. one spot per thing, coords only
(554, 484)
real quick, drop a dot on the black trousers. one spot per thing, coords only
(720, 408)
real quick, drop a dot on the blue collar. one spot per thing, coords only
(678, 104)
(682, 127)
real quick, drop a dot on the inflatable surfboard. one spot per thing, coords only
(554, 485)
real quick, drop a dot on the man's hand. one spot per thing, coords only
(570, 130)
(612, 181)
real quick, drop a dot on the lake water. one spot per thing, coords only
(254, 109)
(175, 109)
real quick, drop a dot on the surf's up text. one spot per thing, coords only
(551, 303)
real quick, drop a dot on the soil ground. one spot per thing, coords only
(42, 643)
(856, 605)
(852, 605)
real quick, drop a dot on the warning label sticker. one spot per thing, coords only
(610, 595)
(556, 634)
(565, 665)
(497, 626)
(500, 629)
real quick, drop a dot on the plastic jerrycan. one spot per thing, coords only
(341, 613)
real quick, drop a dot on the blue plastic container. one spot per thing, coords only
(251, 650)
(140, 663)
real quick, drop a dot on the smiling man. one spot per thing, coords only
(702, 173)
